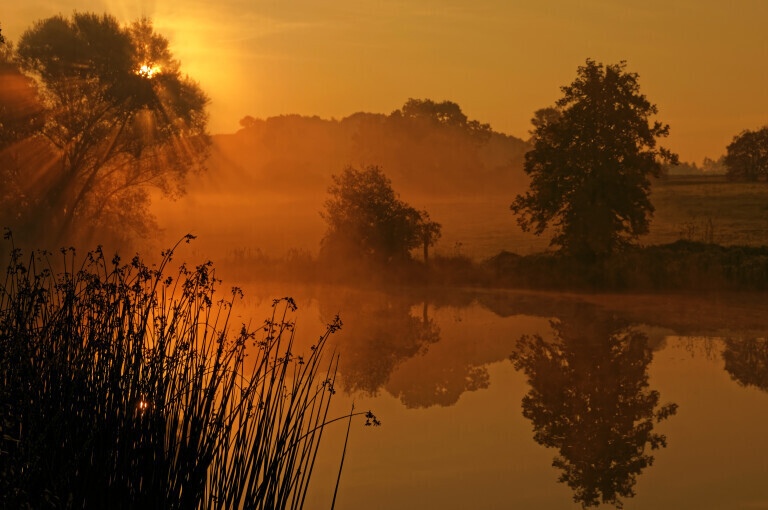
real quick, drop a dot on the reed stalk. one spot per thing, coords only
(126, 386)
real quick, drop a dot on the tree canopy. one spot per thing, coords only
(119, 117)
(746, 156)
(366, 219)
(446, 114)
(590, 164)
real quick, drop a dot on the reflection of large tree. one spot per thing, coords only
(378, 334)
(590, 399)
(747, 361)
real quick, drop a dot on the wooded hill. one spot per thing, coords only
(425, 148)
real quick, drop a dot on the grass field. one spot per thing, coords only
(708, 208)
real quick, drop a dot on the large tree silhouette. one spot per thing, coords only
(590, 164)
(120, 118)
(589, 398)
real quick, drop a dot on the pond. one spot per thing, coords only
(501, 399)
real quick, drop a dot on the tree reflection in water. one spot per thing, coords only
(747, 361)
(590, 399)
(378, 335)
(424, 382)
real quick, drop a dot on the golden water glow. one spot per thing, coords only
(148, 71)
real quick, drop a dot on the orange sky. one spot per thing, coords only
(703, 62)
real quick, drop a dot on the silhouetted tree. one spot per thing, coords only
(367, 220)
(746, 156)
(591, 162)
(121, 117)
(747, 361)
(542, 118)
(589, 398)
(429, 233)
(445, 114)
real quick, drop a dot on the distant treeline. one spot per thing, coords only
(424, 147)
(708, 167)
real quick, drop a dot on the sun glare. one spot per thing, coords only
(148, 71)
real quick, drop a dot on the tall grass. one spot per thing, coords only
(125, 386)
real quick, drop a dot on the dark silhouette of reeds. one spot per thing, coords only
(123, 386)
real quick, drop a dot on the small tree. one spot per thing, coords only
(591, 162)
(746, 158)
(367, 219)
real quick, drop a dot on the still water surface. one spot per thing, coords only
(494, 400)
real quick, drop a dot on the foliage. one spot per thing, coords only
(542, 118)
(446, 114)
(590, 164)
(746, 360)
(124, 384)
(120, 118)
(746, 156)
(367, 220)
(425, 146)
(589, 398)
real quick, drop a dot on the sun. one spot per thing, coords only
(148, 70)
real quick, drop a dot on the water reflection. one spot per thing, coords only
(590, 399)
(588, 396)
(379, 333)
(746, 360)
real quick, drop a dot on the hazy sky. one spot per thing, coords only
(703, 62)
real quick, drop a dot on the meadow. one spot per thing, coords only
(709, 209)
(705, 209)
(276, 222)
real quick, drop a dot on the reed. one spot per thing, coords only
(126, 386)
